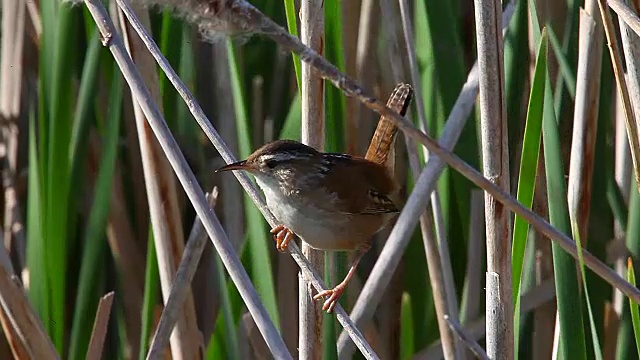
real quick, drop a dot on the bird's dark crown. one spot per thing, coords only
(282, 151)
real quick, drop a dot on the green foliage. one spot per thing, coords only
(150, 298)
(528, 173)
(94, 236)
(635, 314)
(407, 347)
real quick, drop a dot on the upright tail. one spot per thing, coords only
(381, 148)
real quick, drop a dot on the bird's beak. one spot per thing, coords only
(240, 165)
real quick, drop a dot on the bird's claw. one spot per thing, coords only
(334, 295)
(283, 236)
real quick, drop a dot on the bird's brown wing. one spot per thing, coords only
(359, 187)
(379, 204)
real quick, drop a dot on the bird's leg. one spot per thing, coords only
(282, 237)
(335, 293)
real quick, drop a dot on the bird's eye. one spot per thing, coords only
(271, 164)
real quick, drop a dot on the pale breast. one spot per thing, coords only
(315, 225)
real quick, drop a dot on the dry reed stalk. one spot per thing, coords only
(163, 201)
(435, 274)
(471, 344)
(631, 48)
(475, 250)
(495, 160)
(473, 289)
(20, 319)
(128, 257)
(258, 349)
(393, 70)
(631, 19)
(585, 118)
(365, 74)
(622, 173)
(532, 299)
(312, 96)
(11, 69)
(96, 344)
(182, 283)
(584, 123)
(11, 54)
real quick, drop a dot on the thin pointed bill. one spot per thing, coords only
(240, 165)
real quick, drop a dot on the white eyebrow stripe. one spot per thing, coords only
(282, 156)
(340, 156)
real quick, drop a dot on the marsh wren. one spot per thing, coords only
(333, 202)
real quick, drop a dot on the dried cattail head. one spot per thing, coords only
(215, 19)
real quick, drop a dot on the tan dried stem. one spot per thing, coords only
(495, 160)
(96, 344)
(182, 283)
(20, 319)
(162, 198)
(585, 118)
(312, 97)
(632, 20)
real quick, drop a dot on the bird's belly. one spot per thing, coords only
(313, 225)
(319, 228)
(326, 231)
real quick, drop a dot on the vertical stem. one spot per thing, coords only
(312, 35)
(585, 117)
(11, 52)
(631, 48)
(499, 310)
(162, 197)
(357, 124)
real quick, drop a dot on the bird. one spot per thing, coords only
(332, 201)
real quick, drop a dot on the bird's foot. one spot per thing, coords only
(283, 235)
(334, 295)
